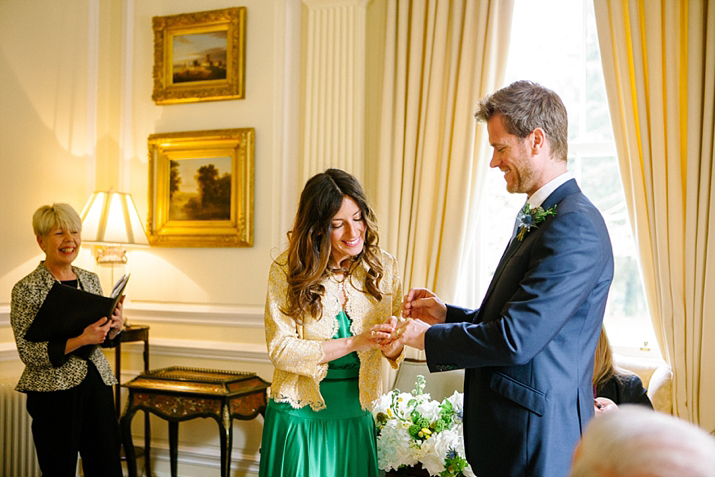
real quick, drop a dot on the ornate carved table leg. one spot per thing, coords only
(125, 424)
(173, 445)
(147, 445)
(226, 435)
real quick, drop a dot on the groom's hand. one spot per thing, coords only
(411, 333)
(422, 304)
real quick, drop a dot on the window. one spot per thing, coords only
(554, 42)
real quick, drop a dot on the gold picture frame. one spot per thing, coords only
(201, 188)
(200, 56)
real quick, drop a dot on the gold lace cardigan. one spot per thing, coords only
(39, 374)
(296, 350)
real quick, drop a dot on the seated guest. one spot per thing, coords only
(613, 385)
(637, 442)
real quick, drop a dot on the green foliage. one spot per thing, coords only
(529, 218)
(454, 465)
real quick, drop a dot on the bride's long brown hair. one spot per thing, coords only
(309, 249)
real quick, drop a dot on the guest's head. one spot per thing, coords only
(334, 229)
(525, 106)
(637, 442)
(58, 230)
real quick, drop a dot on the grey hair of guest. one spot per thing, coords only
(636, 442)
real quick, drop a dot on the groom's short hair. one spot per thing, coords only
(525, 106)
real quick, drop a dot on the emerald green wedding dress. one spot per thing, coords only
(336, 441)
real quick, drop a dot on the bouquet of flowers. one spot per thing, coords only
(413, 428)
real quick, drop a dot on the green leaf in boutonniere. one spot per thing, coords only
(529, 218)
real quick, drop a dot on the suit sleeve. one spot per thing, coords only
(564, 266)
(456, 314)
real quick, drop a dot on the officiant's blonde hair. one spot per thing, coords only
(58, 215)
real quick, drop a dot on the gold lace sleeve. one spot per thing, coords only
(287, 348)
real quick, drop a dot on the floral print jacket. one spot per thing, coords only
(47, 368)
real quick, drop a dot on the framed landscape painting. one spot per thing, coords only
(201, 188)
(200, 56)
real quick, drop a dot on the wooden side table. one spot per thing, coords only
(128, 334)
(179, 394)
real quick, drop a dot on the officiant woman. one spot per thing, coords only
(332, 297)
(69, 392)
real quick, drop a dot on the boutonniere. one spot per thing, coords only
(532, 217)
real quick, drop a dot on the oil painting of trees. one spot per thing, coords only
(200, 189)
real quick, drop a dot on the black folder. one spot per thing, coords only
(67, 311)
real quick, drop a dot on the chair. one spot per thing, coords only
(656, 376)
(438, 385)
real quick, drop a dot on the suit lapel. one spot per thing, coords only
(567, 188)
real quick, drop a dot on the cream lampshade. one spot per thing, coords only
(110, 218)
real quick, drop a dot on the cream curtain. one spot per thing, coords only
(441, 57)
(659, 64)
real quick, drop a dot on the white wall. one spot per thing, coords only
(75, 114)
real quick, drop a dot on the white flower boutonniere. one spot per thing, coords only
(532, 217)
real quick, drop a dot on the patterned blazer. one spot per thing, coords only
(47, 368)
(296, 350)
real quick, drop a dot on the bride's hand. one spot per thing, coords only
(374, 337)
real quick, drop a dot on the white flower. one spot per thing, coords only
(395, 448)
(436, 437)
(428, 409)
(433, 460)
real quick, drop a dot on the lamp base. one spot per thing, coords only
(111, 254)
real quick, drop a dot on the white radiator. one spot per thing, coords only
(17, 451)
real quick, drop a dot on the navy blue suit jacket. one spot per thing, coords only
(528, 350)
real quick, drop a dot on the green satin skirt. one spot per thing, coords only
(339, 440)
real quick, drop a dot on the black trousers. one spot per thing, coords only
(80, 421)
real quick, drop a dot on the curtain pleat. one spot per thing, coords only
(659, 61)
(441, 57)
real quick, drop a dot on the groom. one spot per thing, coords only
(528, 350)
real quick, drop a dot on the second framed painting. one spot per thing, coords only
(201, 188)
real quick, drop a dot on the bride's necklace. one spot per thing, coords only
(344, 275)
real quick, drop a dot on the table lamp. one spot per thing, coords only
(110, 219)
